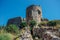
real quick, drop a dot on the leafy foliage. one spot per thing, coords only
(6, 36)
(42, 24)
(32, 23)
(23, 24)
(57, 21)
(12, 28)
(51, 23)
(44, 19)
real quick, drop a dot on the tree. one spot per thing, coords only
(23, 24)
(12, 28)
(32, 24)
(51, 23)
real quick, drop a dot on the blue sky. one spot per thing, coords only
(13, 8)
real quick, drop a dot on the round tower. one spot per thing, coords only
(33, 12)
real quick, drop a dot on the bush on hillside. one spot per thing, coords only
(6, 36)
(51, 23)
(42, 24)
(32, 23)
(23, 24)
(12, 28)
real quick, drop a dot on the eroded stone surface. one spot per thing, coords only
(26, 35)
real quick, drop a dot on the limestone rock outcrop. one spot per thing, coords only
(26, 35)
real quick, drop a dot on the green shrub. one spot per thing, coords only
(12, 28)
(42, 24)
(6, 36)
(51, 23)
(23, 24)
(32, 23)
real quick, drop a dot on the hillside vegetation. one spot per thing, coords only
(11, 31)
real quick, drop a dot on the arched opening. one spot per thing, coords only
(39, 12)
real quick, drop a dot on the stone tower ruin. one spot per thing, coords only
(33, 12)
